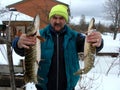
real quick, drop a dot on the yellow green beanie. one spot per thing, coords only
(59, 10)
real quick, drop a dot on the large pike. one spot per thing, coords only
(89, 52)
(32, 55)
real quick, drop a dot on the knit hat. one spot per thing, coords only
(59, 10)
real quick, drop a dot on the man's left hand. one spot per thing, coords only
(95, 38)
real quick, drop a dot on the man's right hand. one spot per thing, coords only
(25, 41)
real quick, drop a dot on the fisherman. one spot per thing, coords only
(59, 51)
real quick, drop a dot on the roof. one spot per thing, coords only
(33, 7)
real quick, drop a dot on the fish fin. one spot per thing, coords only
(40, 38)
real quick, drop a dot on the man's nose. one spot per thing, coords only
(57, 20)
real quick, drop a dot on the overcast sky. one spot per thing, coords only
(89, 8)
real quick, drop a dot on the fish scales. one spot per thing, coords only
(32, 55)
(30, 64)
(89, 52)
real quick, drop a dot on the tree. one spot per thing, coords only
(112, 8)
(101, 27)
(2, 10)
(82, 24)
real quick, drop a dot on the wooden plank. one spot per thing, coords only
(8, 88)
(108, 54)
(4, 69)
(5, 81)
(18, 23)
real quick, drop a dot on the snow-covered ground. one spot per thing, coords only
(111, 45)
(98, 78)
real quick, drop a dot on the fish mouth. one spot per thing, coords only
(33, 34)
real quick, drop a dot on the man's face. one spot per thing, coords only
(57, 22)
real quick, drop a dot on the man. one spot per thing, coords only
(59, 51)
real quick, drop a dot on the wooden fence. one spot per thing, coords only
(5, 83)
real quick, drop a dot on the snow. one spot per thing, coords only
(109, 81)
(99, 78)
(101, 82)
(15, 16)
(111, 45)
(3, 56)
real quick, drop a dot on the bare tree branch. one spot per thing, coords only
(112, 8)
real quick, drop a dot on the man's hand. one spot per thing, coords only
(25, 41)
(95, 38)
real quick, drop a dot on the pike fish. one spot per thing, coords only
(89, 52)
(32, 55)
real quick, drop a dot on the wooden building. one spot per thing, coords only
(17, 27)
(33, 7)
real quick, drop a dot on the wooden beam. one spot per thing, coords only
(114, 54)
(18, 23)
(8, 88)
(4, 69)
(5, 81)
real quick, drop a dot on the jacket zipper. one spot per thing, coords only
(57, 61)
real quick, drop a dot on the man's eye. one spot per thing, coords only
(54, 17)
(61, 18)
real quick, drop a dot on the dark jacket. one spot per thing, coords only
(59, 58)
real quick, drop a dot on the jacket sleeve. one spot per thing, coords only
(80, 43)
(19, 51)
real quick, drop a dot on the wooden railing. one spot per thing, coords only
(5, 76)
(112, 54)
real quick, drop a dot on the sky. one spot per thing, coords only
(89, 8)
